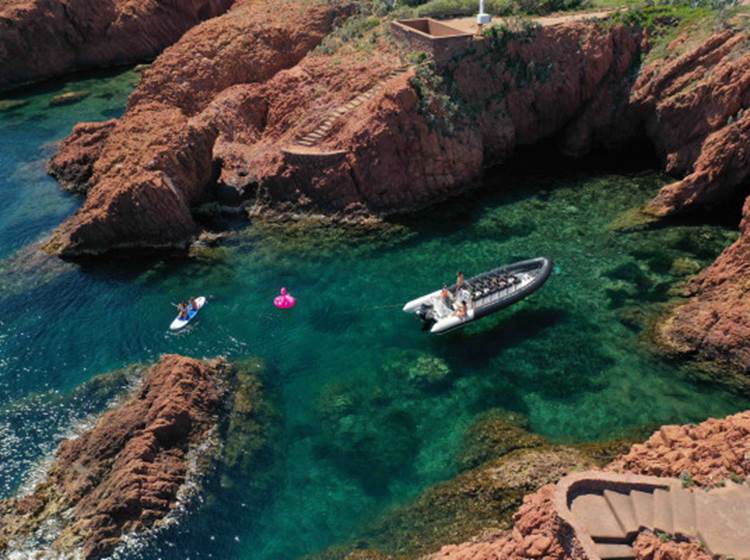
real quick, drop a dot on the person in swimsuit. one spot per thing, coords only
(445, 296)
(182, 308)
(193, 304)
(459, 281)
(462, 311)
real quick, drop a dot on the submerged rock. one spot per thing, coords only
(127, 472)
(495, 434)
(476, 501)
(68, 98)
(12, 104)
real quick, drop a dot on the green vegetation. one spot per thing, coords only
(362, 32)
(458, 8)
(693, 20)
(687, 480)
(663, 537)
(436, 102)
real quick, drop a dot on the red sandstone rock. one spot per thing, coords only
(73, 164)
(537, 533)
(40, 39)
(124, 474)
(390, 155)
(710, 452)
(649, 547)
(157, 162)
(715, 323)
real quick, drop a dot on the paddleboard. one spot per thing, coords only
(178, 323)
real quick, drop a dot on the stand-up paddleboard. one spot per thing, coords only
(178, 323)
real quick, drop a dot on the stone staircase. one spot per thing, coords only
(312, 139)
(607, 512)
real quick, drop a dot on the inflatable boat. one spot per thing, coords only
(481, 295)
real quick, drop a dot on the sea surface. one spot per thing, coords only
(361, 427)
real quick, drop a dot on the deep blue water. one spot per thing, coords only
(358, 434)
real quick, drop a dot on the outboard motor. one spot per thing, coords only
(426, 314)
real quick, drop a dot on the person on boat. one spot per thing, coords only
(193, 304)
(446, 298)
(183, 310)
(459, 281)
(462, 310)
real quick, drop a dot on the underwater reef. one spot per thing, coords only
(504, 509)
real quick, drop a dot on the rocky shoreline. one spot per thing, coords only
(128, 473)
(223, 126)
(705, 455)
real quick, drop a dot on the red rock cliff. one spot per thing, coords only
(235, 112)
(698, 114)
(40, 39)
(125, 473)
(156, 162)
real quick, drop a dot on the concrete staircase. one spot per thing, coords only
(607, 515)
(312, 139)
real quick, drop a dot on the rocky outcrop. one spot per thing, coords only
(703, 454)
(650, 547)
(696, 108)
(157, 161)
(406, 146)
(127, 472)
(73, 164)
(706, 454)
(40, 39)
(714, 325)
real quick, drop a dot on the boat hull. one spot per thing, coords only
(534, 271)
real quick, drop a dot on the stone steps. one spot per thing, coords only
(615, 551)
(643, 507)
(622, 507)
(662, 511)
(599, 519)
(313, 138)
(683, 513)
(612, 517)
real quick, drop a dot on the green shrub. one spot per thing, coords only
(353, 29)
(458, 8)
(436, 103)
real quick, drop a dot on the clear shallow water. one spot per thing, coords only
(359, 434)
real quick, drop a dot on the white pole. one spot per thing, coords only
(482, 18)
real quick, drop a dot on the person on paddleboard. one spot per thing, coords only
(183, 309)
(193, 304)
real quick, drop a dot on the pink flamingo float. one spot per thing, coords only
(284, 300)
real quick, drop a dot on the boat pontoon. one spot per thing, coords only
(483, 294)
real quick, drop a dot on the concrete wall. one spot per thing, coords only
(437, 39)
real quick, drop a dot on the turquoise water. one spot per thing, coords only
(361, 429)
